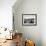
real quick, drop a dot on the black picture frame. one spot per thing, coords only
(29, 19)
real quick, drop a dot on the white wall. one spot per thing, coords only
(43, 22)
(6, 13)
(28, 7)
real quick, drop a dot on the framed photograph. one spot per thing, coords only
(29, 19)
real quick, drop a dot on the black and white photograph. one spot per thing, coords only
(29, 19)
